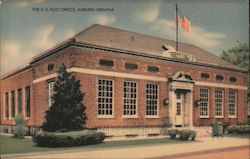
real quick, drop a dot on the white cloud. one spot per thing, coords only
(198, 36)
(12, 55)
(16, 53)
(24, 3)
(150, 14)
(204, 38)
(68, 34)
(104, 19)
(43, 40)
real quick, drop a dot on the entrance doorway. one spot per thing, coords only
(179, 110)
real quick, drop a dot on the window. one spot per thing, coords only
(19, 101)
(105, 97)
(204, 102)
(106, 62)
(51, 66)
(178, 108)
(218, 102)
(13, 107)
(27, 101)
(232, 102)
(131, 66)
(129, 98)
(151, 99)
(153, 69)
(219, 77)
(50, 92)
(205, 75)
(6, 105)
(232, 79)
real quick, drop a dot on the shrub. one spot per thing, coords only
(172, 133)
(67, 139)
(193, 134)
(19, 129)
(238, 129)
(185, 134)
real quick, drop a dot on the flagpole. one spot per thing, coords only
(176, 18)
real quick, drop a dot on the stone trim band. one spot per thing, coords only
(134, 76)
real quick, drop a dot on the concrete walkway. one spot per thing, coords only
(149, 151)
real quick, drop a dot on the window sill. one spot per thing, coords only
(204, 117)
(105, 116)
(152, 117)
(130, 116)
(232, 117)
(219, 117)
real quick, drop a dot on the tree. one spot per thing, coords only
(67, 111)
(238, 55)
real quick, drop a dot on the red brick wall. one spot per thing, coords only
(15, 82)
(84, 58)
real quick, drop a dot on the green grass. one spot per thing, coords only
(10, 145)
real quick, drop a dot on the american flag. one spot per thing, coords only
(183, 21)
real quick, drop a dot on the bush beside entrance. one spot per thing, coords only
(183, 134)
(68, 139)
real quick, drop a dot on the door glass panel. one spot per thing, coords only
(178, 108)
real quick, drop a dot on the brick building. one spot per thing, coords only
(133, 83)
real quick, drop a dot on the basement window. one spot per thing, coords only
(205, 75)
(106, 62)
(131, 66)
(219, 77)
(153, 69)
(232, 79)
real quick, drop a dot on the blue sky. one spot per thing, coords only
(215, 26)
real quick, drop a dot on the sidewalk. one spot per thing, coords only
(149, 151)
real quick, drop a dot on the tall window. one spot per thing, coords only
(105, 97)
(204, 102)
(6, 105)
(19, 100)
(218, 102)
(232, 102)
(50, 92)
(27, 101)
(151, 99)
(129, 98)
(13, 107)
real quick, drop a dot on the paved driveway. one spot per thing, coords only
(149, 151)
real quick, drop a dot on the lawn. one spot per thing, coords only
(11, 145)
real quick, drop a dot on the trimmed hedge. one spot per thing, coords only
(183, 134)
(68, 139)
(238, 129)
(172, 133)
